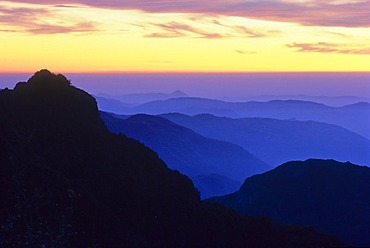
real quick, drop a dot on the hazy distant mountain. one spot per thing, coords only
(190, 153)
(112, 105)
(141, 98)
(330, 196)
(215, 185)
(278, 141)
(187, 105)
(355, 118)
(335, 101)
(66, 181)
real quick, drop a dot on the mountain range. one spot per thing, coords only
(109, 104)
(276, 109)
(334, 101)
(330, 196)
(67, 181)
(216, 167)
(277, 141)
(140, 98)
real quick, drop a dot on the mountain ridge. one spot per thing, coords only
(276, 109)
(141, 98)
(324, 194)
(69, 182)
(190, 153)
(277, 141)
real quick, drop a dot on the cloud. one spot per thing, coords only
(323, 47)
(244, 52)
(8, 31)
(32, 20)
(55, 29)
(65, 6)
(249, 32)
(338, 34)
(164, 35)
(176, 29)
(310, 12)
(201, 28)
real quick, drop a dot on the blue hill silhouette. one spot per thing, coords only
(354, 117)
(330, 196)
(190, 153)
(278, 141)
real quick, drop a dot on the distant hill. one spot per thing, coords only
(330, 196)
(66, 181)
(278, 141)
(187, 105)
(215, 185)
(140, 98)
(190, 153)
(355, 117)
(334, 101)
(107, 104)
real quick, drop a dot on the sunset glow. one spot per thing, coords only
(184, 36)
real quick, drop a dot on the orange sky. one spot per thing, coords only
(183, 36)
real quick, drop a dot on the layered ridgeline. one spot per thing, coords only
(277, 109)
(330, 196)
(278, 141)
(141, 98)
(66, 181)
(216, 167)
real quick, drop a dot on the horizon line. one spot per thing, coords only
(189, 72)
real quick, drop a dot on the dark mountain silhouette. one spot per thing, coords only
(190, 153)
(278, 141)
(140, 98)
(66, 181)
(330, 196)
(355, 118)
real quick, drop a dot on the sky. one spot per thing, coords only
(96, 36)
(223, 86)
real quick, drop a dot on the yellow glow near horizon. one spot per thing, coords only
(86, 39)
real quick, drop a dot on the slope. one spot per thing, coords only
(330, 196)
(188, 152)
(355, 118)
(278, 141)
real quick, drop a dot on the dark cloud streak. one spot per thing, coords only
(175, 29)
(82, 27)
(323, 47)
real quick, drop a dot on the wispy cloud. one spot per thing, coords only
(323, 47)
(33, 21)
(311, 12)
(175, 29)
(244, 52)
(249, 32)
(55, 29)
(8, 30)
(201, 28)
(164, 35)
